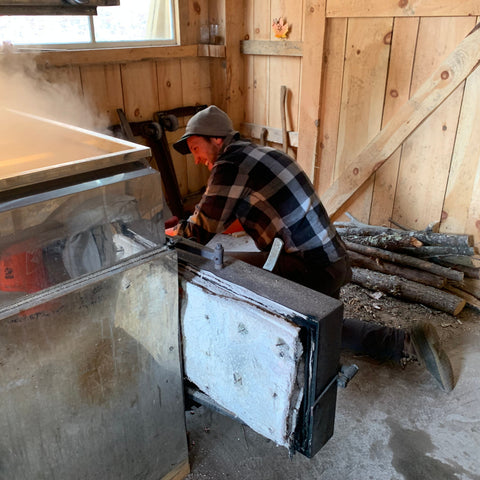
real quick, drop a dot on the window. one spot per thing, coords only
(141, 22)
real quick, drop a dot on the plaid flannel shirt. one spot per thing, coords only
(271, 196)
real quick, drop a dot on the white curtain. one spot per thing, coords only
(160, 21)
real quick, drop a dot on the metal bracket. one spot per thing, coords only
(342, 378)
(216, 256)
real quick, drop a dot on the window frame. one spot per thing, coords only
(94, 45)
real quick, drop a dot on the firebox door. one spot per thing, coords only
(259, 348)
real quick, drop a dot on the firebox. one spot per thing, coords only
(108, 328)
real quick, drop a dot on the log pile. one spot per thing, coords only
(427, 267)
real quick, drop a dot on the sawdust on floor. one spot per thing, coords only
(380, 308)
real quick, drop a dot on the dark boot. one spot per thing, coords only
(422, 344)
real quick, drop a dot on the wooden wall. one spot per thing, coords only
(349, 68)
(375, 56)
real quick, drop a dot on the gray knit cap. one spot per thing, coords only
(210, 122)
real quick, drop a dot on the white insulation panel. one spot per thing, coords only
(243, 352)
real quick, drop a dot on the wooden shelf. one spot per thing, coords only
(274, 47)
(216, 51)
(59, 58)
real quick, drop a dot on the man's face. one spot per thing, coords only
(205, 150)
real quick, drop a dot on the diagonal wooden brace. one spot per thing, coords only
(454, 70)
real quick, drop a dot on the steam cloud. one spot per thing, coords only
(24, 87)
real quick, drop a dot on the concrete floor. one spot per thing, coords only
(390, 424)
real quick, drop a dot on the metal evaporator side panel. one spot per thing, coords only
(90, 378)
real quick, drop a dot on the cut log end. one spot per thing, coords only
(460, 306)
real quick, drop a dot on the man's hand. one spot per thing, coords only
(171, 226)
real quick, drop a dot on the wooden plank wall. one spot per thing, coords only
(375, 56)
(264, 74)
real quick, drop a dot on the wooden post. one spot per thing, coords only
(311, 85)
(234, 31)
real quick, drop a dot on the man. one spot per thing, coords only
(267, 192)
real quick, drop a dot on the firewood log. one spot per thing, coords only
(469, 285)
(470, 299)
(359, 260)
(431, 239)
(468, 271)
(437, 251)
(406, 260)
(385, 241)
(426, 237)
(408, 290)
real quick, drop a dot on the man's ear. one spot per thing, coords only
(217, 140)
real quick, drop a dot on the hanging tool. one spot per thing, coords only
(283, 114)
(263, 136)
(274, 254)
